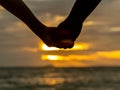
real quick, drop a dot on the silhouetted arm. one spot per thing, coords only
(80, 11)
(47, 34)
(20, 10)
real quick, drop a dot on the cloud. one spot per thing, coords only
(30, 49)
(51, 20)
(98, 55)
(52, 6)
(115, 29)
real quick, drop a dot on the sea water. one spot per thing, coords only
(49, 78)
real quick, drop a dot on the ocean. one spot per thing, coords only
(49, 78)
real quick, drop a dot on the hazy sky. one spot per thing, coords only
(99, 42)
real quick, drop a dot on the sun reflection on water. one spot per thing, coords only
(53, 81)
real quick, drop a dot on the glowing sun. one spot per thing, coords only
(77, 46)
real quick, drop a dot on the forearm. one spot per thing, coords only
(82, 9)
(20, 10)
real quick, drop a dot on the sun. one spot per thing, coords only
(50, 56)
(46, 48)
(77, 46)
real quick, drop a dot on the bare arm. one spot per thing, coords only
(20, 10)
(80, 11)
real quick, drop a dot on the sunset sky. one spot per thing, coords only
(97, 45)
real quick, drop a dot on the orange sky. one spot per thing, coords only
(77, 60)
(97, 45)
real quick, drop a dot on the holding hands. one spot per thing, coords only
(62, 36)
